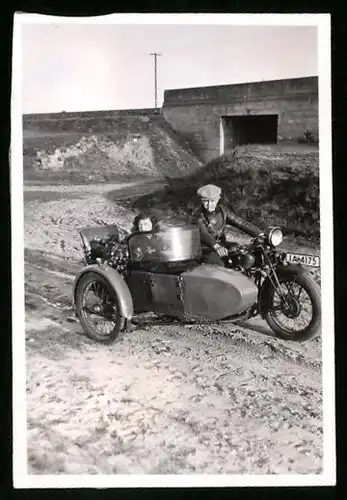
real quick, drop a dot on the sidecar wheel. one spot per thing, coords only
(295, 287)
(104, 309)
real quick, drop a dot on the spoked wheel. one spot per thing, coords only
(294, 311)
(98, 308)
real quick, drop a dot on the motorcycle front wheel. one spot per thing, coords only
(98, 308)
(294, 313)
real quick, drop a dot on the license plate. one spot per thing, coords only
(306, 260)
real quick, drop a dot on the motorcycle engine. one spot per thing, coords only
(241, 259)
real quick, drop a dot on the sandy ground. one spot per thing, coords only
(167, 398)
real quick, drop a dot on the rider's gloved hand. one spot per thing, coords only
(260, 238)
(221, 251)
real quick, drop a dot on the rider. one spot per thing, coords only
(212, 217)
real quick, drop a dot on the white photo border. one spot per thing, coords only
(328, 478)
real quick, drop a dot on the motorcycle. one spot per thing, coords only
(164, 273)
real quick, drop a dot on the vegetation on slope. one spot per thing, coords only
(263, 185)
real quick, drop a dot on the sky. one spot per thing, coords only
(88, 67)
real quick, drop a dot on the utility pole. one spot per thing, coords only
(156, 55)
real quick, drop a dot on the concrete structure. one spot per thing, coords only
(214, 119)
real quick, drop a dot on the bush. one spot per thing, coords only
(308, 138)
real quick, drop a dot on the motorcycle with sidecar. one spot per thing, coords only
(163, 273)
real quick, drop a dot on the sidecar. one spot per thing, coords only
(165, 276)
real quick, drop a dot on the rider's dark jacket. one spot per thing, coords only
(212, 225)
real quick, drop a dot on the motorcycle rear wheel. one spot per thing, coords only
(107, 307)
(292, 306)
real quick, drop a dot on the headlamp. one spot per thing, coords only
(275, 236)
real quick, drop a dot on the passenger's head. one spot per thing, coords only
(144, 223)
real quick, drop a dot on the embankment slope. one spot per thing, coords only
(97, 148)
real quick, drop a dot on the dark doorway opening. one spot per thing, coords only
(249, 129)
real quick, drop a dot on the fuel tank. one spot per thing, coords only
(215, 293)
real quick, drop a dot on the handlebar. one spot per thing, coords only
(259, 239)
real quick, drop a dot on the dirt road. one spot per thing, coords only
(167, 398)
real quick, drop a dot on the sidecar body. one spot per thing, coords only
(166, 276)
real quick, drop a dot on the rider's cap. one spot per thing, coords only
(209, 192)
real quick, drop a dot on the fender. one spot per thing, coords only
(281, 270)
(117, 284)
(291, 269)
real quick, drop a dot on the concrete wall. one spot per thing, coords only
(196, 113)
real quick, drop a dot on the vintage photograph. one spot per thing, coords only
(172, 250)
